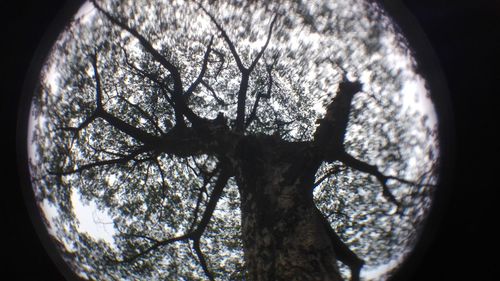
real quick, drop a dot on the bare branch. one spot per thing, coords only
(332, 171)
(259, 55)
(196, 209)
(222, 62)
(212, 92)
(154, 79)
(117, 123)
(409, 182)
(198, 80)
(203, 189)
(98, 87)
(98, 90)
(253, 114)
(130, 130)
(82, 125)
(162, 174)
(181, 109)
(212, 202)
(342, 252)
(144, 114)
(372, 170)
(151, 248)
(201, 258)
(245, 72)
(147, 46)
(143, 236)
(228, 41)
(84, 167)
(150, 76)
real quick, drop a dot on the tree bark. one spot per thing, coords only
(284, 237)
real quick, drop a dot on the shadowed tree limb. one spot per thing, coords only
(147, 139)
(372, 170)
(147, 46)
(153, 78)
(203, 189)
(143, 113)
(195, 234)
(221, 62)
(151, 248)
(214, 95)
(330, 134)
(88, 166)
(117, 123)
(201, 258)
(204, 65)
(185, 142)
(264, 47)
(137, 134)
(245, 72)
(267, 95)
(181, 109)
(136, 235)
(342, 251)
(212, 202)
(330, 172)
(226, 38)
(98, 87)
(82, 125)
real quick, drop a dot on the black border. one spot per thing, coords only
(60, 14)
(465, 37)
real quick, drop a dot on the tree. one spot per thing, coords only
(232, 140)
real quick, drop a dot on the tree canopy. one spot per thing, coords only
(125, 77)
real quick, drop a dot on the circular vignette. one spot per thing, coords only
(66, 11)
(428, 68)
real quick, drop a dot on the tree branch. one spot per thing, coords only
(342, 251)
(214, 95)
(333, 170)
(82, 125)
(151, 248)
(228, 41)
(212, 202)
(147, 46)
(98, 98)
(253, 114)
(240, 111)
(198, 80)
(181, 109)
(143, 236)
(201, 258)
(194, 235)
(372, 170)
(259, 55)
(138, 134)
(144, 114)
(88, 166)
(222, 62)
(151, 77)
(330, 134)
(117, 123)
(203, 189)
(98, 88)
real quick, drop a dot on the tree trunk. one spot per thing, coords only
(284, 237)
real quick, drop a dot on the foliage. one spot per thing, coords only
(153, 196)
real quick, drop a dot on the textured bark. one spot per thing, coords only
(284, 236)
